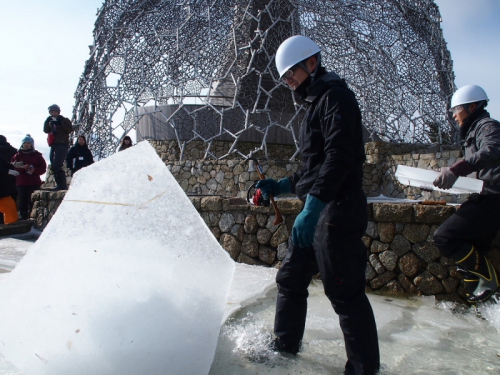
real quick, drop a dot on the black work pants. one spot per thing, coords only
(475, 223)
(25, 203)
(340, 256)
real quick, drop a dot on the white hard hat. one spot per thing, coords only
(468, 94)
(294, 50)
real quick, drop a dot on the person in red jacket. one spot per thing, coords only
(29, 174)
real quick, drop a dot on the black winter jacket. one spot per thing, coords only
(8, 183)
(61, 129)
(331, 142)
(79, 157)
(482, 151)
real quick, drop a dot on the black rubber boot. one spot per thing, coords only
(278, 346)
(480, 277)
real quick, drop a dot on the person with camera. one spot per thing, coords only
(59, 128)
(30, 165)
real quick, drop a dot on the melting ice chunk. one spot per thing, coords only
(125, 279)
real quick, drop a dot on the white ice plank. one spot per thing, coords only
(423, 178)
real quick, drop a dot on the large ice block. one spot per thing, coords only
(125, 279)
(423, 178)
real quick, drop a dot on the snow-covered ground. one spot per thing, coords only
(417, 336)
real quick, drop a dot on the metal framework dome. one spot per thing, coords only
(206, 69)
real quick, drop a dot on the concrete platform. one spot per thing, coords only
(19, 227)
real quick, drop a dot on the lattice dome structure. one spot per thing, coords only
(204, 69)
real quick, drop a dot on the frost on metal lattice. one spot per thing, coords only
(204, 70)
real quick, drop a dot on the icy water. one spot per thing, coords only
(417, 336)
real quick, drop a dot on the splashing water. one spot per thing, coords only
(416, 335)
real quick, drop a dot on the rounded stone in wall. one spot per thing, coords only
(262, 220)
(450, 284)
(416, 233)
(389, 259)
(281, 250)
(264, 236)
(428, 284)
(250, 245)
(375, 262)
(370, 273)
(226, 222)
(427, 251)
(280, 236)
(410, 265)
(437, 270)
(386, 232)
(267, 255)
(237, 231)
(393, 287)
(251, 224)
(378, 247)
(269, 224)
(400, 245)
(231, 245)
(381, 280)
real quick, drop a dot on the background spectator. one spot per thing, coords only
(7, 204)
(7, 151)
(79, 156)
(29, 174)
(125, 143)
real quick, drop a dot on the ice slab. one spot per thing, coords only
(104, 289)
(248, 284)
(423, 178)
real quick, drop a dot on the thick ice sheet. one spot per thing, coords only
(249, 283)
(104, 289)
(423, 178)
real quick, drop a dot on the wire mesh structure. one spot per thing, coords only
(211, 64)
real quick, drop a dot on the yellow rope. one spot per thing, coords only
(117, 204)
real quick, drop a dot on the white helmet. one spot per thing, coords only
(468, 94)
(294, 50)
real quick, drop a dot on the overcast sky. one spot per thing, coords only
(45, 45)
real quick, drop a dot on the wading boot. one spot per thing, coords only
(480, 277)
(278, 346)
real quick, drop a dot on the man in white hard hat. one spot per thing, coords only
(467, 235)
(326, 235)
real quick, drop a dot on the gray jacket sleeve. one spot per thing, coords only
(488, 144)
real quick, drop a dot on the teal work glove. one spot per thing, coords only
(305, 223)
(270, 186)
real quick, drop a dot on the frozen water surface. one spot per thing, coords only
(417, 336)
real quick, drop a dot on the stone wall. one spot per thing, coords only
(230, 177)
(45, 204)
(382, 160)
(401, 256)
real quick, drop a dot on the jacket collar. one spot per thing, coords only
(322, 84)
